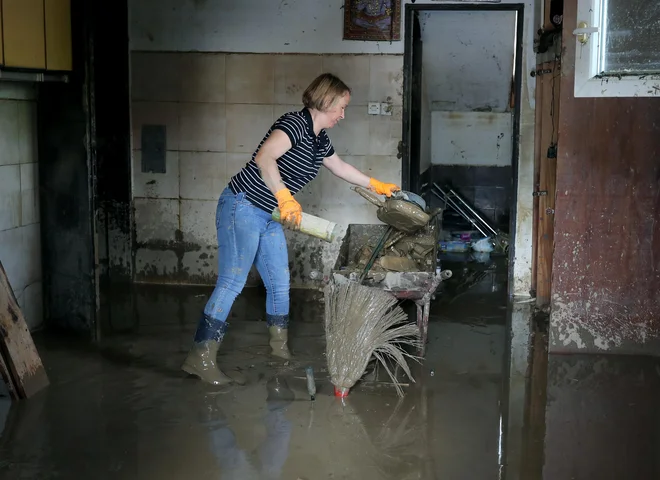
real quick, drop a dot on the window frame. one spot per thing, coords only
(588, 81)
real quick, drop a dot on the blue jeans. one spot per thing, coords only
(247, 235)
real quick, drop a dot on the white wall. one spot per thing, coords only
(245, 26)
(468, 59)
(472, 138)
(20, 242)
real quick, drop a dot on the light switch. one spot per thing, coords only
(374, 108)
(386, 109)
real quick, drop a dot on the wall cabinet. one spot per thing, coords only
(36, 34)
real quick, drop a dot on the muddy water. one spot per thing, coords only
(125, 411)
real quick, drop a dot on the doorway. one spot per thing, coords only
(461, 113)
(461, 116)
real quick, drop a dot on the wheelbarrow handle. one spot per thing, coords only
(369, 196)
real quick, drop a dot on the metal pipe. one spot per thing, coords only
(32, 77)
(456, 207)
(486, 224)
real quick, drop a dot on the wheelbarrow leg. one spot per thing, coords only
(423, 310)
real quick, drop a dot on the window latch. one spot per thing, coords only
(584, 31)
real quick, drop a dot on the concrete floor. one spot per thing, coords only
(126, 411)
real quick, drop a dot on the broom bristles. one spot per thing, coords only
(364, 321)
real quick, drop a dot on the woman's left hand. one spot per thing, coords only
(381, 188)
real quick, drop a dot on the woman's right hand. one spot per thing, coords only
(290, 210)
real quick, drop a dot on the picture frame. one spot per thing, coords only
(372, 20)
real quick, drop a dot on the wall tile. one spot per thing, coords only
(156, 76)
(235, 162)
(31, 303)
(310, 197)
(154, 264)
(156, 113)
(386, 79)
(31, 254)
(156, 219)
(202, 127)
(351, 135)
(10, 196)
(246, 126)
(198, 222)
(27, 132)
(29, 193)
(250, 78)
(10, 139)
(341, 215)
(354, 72)
(335, 191)
(203, 175)
(156, 185)
(384, 168)
(12, 256)
(293, 74)
(204, 78)
(385, 133)
(20, 254)
(279, 110)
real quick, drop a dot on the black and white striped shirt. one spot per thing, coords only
(298, 166)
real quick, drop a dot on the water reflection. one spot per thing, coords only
(272, 453)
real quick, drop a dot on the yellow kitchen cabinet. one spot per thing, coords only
(2, 48)
(58, 35)
(24, 36)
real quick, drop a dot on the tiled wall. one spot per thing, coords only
(20, 243)
(216, 108)
(488, 189)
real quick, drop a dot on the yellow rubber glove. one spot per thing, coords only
(381, 188)
(290, 210)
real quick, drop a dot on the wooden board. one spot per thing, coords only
(549, 86)
(20, 358)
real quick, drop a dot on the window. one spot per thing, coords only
(618, 48)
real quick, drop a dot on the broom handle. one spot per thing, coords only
(372, 259)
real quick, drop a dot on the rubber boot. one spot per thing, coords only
(278, 327)
(201, 361)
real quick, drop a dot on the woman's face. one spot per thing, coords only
(336, 112)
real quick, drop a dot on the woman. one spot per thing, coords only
(289, 157)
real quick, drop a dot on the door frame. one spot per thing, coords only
(407, 167)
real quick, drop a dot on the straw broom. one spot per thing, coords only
(361, 322)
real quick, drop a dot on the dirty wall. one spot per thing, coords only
(208, 74)
(20, 220)
(607, 229)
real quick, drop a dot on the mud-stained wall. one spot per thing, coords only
(20, 218)
(607, 232)
(218, 102)
(216, 108)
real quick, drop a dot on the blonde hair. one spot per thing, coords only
(324, 92)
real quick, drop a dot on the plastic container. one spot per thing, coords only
(454, 246)
(314, 226)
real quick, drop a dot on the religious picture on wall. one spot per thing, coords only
(376, 20)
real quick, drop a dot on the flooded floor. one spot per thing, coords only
(126, 411)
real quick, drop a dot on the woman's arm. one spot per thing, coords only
(346, 171)
(274, 147)
(352, 175)
(277, 144)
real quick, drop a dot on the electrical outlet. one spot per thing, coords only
(374, 108)
(385, 109)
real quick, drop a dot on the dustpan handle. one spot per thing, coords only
(369, 196)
